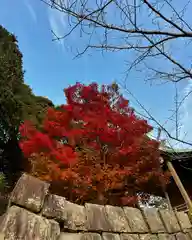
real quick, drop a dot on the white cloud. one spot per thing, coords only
(31, 10)
(57, 23)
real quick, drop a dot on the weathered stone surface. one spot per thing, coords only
(124, 236)
(183, 220)
(2, 217)
(30, 193)
(110, 236)
(75, 216)
(20, 224)
(189, 232)
(188, 235)
(54, 207)
(154, 220)
(70, 236)
(170, 221)
(182, 236)
(148, 237)
(166, 236)
(110, 222)
(117, 219)
(96, 218)
(135, 220)
(91, 236)
(2, 236)
(71, 214)
(4, 200)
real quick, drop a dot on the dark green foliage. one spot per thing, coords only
(11, 77)
(17, 103)
(34, 108)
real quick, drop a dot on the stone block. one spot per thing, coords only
(96, 218)
(135, 220)
(2, 236)
(183, 220)
(110, 236)
(125, 236)
(153, 219)
(148, 237)
(69, 236)
(71, 214)
(170, 221)
(30, 193)
(189, 232)
(91, 236)
(166, 236)
(117, 219)
(20, 224)
(182, 236)
(54, 207)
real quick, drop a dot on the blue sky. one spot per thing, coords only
(50, 66)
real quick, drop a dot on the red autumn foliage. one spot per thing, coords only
(101, 144)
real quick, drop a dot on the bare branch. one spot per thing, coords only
(154, 119)
(118, 25)
(163, 17)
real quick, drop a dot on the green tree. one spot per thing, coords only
(11, 78)
(17, 103)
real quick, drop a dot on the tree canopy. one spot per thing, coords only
(11, 77)
(96, 145)
(17, 103)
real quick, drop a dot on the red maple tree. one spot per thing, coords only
(101, 143)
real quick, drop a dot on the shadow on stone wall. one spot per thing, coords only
(35, 214)
(4, 200)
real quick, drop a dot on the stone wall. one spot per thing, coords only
(35, 214)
